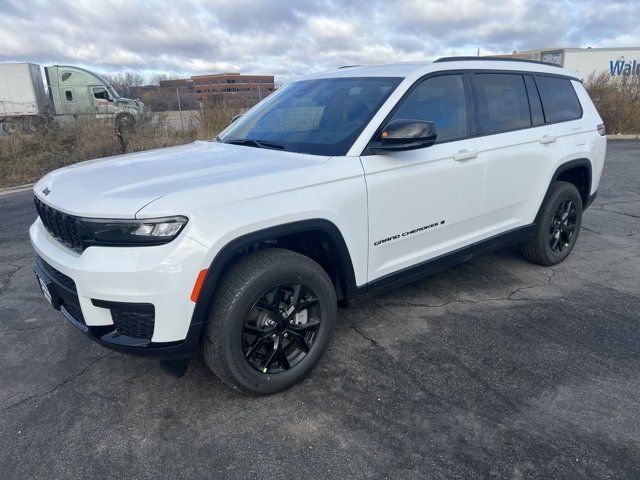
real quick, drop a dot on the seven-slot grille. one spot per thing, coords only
(62, 226)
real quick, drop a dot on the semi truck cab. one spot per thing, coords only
(76, 91)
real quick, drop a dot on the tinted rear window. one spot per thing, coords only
(559, 99)
(501, 102)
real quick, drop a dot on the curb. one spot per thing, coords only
(16, 189)
(623, 136)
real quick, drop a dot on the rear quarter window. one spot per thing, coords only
(559, 99)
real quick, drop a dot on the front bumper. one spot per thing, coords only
(133, 299)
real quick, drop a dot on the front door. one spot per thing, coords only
(423, 203)
(101, 100)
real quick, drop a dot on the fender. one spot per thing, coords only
(580, 162)
(346, 273)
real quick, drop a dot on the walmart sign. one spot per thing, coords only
(622, 67)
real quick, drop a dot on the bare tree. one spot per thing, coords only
(126, 84)
(161, 77)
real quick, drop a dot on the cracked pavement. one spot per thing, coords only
(497, 368)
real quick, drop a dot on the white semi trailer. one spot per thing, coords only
(70, 92)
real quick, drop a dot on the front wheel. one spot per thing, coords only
(272, 319)
(557, 226)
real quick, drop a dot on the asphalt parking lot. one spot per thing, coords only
(494, 369)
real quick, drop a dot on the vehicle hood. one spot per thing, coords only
(118, 187)
(127, 102)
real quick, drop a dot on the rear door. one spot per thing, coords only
(424, 202)
(517, 150)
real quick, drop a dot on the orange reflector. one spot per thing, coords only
(198, 285)
(385, 134)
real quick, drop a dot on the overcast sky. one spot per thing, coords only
(296, 37)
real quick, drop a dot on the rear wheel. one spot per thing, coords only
(557, 226)
(8, 126)
(271, 322)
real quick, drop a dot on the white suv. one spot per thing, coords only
(336, 185)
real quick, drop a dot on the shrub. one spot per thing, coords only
(617, 100)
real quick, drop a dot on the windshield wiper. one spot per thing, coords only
(256, 143)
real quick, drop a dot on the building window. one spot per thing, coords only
(68, 95)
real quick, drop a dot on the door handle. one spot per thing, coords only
(545, 139)
(465, 155)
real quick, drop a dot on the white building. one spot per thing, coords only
(587, 61)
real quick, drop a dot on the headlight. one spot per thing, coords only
(150, 231)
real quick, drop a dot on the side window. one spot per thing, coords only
(559, 99)
(440, 100)
(100, 93)
(65, 76)
(68, 95)
(537, 117)
(501, 102)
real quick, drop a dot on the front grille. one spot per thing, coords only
(134, 324)
(62, 226)
(56, 275)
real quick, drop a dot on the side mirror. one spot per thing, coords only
(401, 134)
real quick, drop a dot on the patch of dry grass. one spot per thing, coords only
(28, 155)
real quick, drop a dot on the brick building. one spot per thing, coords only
(223, 83)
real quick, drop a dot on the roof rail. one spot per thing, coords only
(498, 59)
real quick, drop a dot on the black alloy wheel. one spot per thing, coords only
(281, 327)
(563, 226)
(271, 320)
(557, 225)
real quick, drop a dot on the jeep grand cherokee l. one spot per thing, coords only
(337, 185)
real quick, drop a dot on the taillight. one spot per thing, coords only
(601, 130)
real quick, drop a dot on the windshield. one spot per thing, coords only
(320, 117)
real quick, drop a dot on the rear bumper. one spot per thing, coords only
(591, 199)
(134, 300)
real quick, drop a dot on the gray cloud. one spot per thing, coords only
(294, 38)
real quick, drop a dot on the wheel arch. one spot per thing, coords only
(320, 235)
(577, 172)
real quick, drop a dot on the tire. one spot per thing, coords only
(8, 126)
(248, 311)
(557, 226)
